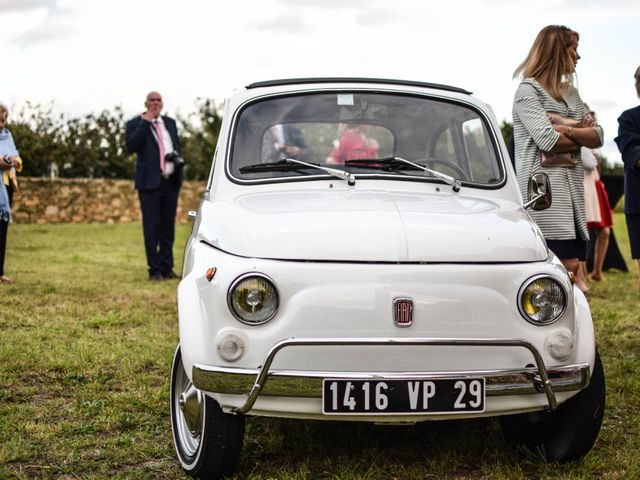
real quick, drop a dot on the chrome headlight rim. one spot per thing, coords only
(526, 284)
(239, 280)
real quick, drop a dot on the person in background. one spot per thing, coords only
(353, 143)
(154, 139)
(547, 86)
(602, 227)
(628, 141)
(592, 208)
(9, 163)
(284, 141)
(598, 211)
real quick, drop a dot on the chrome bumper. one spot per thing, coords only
(299, 383)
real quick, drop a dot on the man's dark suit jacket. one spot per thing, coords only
(140, 139)
(292, 137)
(628, 141)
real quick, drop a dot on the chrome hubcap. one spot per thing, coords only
(190, 402)
(189, 412)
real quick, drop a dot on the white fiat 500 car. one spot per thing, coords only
(363, 253)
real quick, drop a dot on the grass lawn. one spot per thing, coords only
(85, 351)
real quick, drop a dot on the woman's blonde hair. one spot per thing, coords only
(549, 60)
(637, 77)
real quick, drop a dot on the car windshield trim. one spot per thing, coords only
(385, 81)
(488, 180)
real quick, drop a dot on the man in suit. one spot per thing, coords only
(628, 141)
(154, 139)
(284, 141)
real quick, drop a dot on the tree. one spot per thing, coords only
(37, 137)
(93, 146)
(507, 130)
(198, 137)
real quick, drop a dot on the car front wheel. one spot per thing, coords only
(566, 434)
(207, 440)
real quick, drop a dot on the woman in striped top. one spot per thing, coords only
(549, 117)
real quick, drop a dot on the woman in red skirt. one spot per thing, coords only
(602, 228)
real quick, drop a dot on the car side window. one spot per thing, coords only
(444, 147)
(479, 151)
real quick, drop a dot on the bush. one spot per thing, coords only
(93, 146)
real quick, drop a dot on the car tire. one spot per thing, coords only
(207, 440)
(566, 434)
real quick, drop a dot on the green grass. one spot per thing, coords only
(85, 353)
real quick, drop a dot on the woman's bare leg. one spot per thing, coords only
(573, 265)
(602, 243)
(582, 276)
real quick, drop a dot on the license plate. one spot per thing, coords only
(407, 396)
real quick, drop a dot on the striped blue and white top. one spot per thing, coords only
(533, 133)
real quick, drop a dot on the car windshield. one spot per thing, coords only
(369, 135)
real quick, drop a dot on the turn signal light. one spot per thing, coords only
(560, 345)
(210, 273)
(230, 346)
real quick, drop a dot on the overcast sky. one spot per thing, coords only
(88, 55)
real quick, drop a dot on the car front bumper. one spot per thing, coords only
(264, 381)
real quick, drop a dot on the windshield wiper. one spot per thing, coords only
(397, 161)
(293, 164)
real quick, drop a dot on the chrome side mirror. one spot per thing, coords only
(539, 192)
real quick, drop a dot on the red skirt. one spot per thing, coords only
(606, 214)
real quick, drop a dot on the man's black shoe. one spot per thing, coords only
(170, 275)
(156, 277)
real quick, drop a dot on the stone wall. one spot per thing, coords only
(80, 200)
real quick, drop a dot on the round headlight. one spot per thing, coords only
(253, 299)
(542, 300)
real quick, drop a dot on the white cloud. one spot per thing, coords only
(87, 55)
(291, 22)
(379, 15)
(606, 4)
(603, 104)
(326, 4)
(49, 31)
(25, 5)
(39, 21)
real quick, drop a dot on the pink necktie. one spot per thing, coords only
(159, 135)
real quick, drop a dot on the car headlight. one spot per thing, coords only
(542, 300)
(253, 299)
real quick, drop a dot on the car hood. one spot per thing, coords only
(371, 226)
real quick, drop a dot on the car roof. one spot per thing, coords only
(298, 81)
